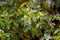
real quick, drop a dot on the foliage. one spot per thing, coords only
(29, 20)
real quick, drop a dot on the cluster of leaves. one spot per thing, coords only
(29, 20)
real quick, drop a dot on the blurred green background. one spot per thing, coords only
(29, 20)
